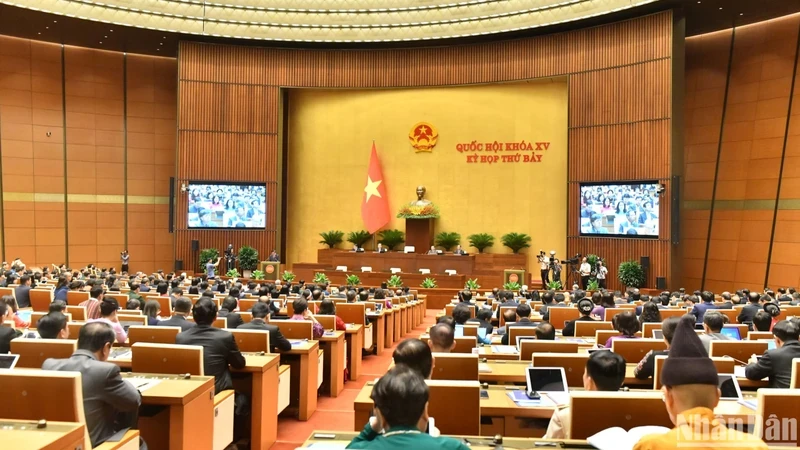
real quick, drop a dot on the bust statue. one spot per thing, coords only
(420, 197)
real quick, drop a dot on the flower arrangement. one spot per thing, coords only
(429, 211)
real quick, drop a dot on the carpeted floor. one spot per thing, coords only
(337, 413)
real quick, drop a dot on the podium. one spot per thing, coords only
(419, 233)
(270, 269)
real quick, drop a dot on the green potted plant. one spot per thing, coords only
(358, 238)
(481, 241)
(447, 240)
(554, 285)
(248, 260)
(472, 284)
(332, 238)
(592, 285)
(631, 274)
(428, 283)
(352, 280)
(516, 241)
(394, 281)
(232, 273)
(257, 275)
(287, 276)
(320, 278)
(391, 238)
(205, 255)
(592, 259)
(512, 286)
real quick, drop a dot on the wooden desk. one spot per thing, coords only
(187, 421)
(341, 439)
(500, 415)
(389, 313)
(398, 323)
(23, 435)
(332, 342)
(263, 389)
(303, 359)
(354, 335)
(378, 321)
(408, 263)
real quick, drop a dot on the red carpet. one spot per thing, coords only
(337, 413)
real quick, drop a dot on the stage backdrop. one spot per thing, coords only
(331, 134)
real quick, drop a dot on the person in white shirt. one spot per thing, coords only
(605, 371)
(585, 270)
(602, 271)
(544, 266)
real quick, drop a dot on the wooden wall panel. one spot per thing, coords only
(620, 86)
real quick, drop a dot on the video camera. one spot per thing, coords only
(575, 259)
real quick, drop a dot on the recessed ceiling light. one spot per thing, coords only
(105, 37)
(160, 43)
(101, 42)
(720, 8)
(111, 31)
(741, 14)
(46, 28)
(55, 21)
(40, 33)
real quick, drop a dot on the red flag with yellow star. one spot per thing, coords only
(375, 204)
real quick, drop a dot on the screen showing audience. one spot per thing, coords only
(227, 205)
(629, 210)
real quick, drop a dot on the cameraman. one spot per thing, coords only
(602, 271)
(544, 266)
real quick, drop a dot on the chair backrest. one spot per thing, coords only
(648, 327)
(152, 335)
(129, 312)
(220, 322)
(589, 328)
(560, 315)
(611, 312)
(295, 329)
(672, 312)
(465, 344)
(594, 411)
(731, 314)
(165, 303)
(448, 309)
(122, 299)
(41, 299)
(795, 381)
(352, 312)
(78, 313)
(246, 304)
(602, 336)
(447, 396)
(251, 340)
(722, 363)
(248, 317)
(166, 358)
(514, 331)
(778, 405)
(470, 329)
(574, 365)
(455, 366)
(8, 291)
(787, 311)
(633, 350)
(741, 350)
(327, 321)
(530, 346)
(33, 352)
(757, 335)
(132, 320)
(36, 315)
(76, 297)
(75, 328)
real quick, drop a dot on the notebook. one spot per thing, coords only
(617, 438)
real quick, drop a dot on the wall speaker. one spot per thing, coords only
(195, 245)
(661, 283)
(171, 204)
(645, 262)
(178, 265)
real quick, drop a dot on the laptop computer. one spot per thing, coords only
(459, 331)
(523, 338)
(658, 334)
(25, 315)
(731, 332)
(729, 387)
(378, 307)
(8, 361)
(546, 379)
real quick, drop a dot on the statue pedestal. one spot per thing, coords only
(419, 233)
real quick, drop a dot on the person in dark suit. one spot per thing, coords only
(508, 300)
(777, 364)
(585, 306)
(727, 302)
(23, 292)
(183, 306)
(523, 320)
(273, 256)
(110, 403)
(276, 340)
(459, 251)
(751, 309)
(551, 300)
(707, 303)
(381, 249)
(7, 334)
(220, 352)
(234, 320)
(483, 319)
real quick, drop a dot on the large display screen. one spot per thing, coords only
(227, 205)
(625, 210)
